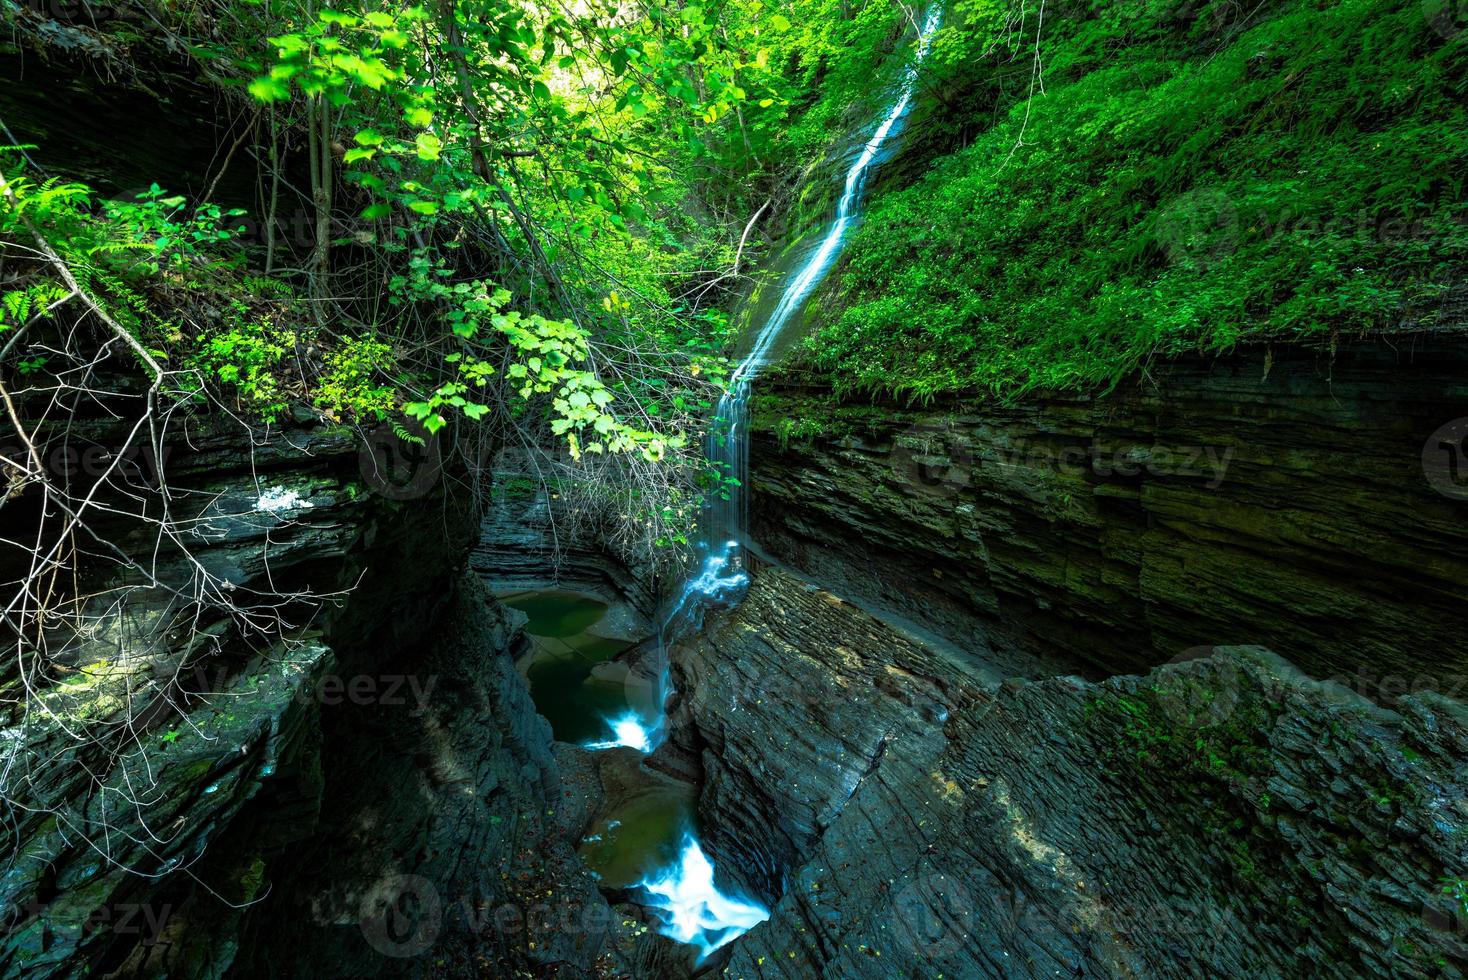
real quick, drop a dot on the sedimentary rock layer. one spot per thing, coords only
(1284, 497)
(1224, 816)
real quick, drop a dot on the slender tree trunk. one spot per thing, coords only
(273, 209)
(318, 126)
(479, 153)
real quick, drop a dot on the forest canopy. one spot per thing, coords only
(539, 221)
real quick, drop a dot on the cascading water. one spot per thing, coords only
(693, 909)
(723, 576)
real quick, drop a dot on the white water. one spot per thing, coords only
(693, 909)
(695, 912)
(723, 577)
(627, 731)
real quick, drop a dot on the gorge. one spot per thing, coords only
(659, 526)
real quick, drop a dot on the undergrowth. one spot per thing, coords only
(1182, 178)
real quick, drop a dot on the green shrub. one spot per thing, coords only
(348, 386)
(1181, 182)
(244, 356)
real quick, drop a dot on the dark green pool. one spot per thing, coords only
(641, 832)
(560, 670)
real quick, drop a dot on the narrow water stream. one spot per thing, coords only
(652, 842)
(646, 837)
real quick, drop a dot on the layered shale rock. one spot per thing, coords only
(526, 542)
(365, 785)
(1307, 501)
(148, 724)
(1224, 815)
(440, 850)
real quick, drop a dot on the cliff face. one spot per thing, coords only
(1286, 498)
(527, 541)
(361, 794)
(1226, 816)
(439, 850)
(1252, 525)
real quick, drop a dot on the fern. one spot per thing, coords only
(402, 432)
(18, 306)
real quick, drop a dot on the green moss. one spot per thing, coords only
(1292, 171)
(800, 429)
(519, 488)
(1217, 766)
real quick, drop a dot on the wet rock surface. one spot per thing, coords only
(112, 840)
(1225, 815)
(526, 543)
(1276, 496)
(371, 794)
(444, 849)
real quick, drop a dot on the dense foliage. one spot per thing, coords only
(525, 219)
(1155, 177)
(538, 220)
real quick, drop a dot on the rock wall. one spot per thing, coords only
(525, 543)
(439, 851)
(1224, 816)
(1164, 786)
(363, 795)
(1273, 496)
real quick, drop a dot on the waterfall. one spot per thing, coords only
(693, 909)
(722, 577)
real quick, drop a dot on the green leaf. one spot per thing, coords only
(429, 146)
(368, 137)
(270, 89)
(359, 153)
